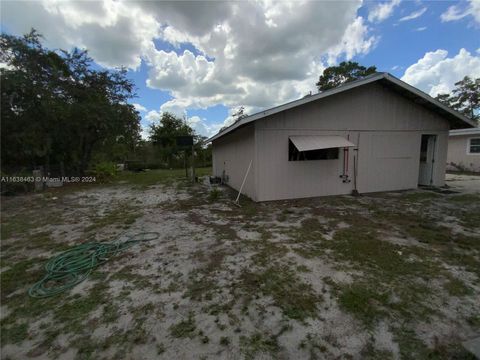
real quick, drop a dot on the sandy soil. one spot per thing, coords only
(264, 281)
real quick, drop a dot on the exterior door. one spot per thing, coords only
(427, 159)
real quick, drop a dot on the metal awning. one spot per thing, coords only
(317, 142)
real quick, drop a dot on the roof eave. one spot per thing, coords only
(430, 99)
(344, 87)
(464, 132)
(296, 103)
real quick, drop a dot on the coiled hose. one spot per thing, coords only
(71, 267)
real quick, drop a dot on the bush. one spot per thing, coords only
(105, 171)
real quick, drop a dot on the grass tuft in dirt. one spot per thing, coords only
(456, 287)
(363, 302)
(257, 343)
(295, 298)
(185, 328)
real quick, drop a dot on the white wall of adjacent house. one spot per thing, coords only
(462, 153)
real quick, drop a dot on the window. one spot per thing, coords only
(474, 146)
(321, 154)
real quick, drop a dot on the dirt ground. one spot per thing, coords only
(463, 183)
(379, 276)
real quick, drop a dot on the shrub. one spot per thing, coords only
(105, 171)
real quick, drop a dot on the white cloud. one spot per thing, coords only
(355, 41)
(256, 53)
(456, 12)
(282, 65)
(421, 28)
(414, 15)
(139, 107)
(114, 32)
(145, 132)
(436, 73)
(201, 126)
(382, 11)
(153, 116)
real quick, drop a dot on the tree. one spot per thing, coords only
(239, 114)
(56, 109)
(334, 76)
(465, 98)
(163, 135)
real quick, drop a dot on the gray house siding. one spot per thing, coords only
(389, 160)
(386, 128)
(459, 157)
(232, 155)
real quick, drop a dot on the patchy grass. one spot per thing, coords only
(19, 275)
(266, 251)
(308, 239)
(257, 343)
(465, 199)
(370, 352)
(153, 177)
(295, 298)
(365, 303)
(185, 328)
(22, 224)
(199, 289)
(124, 215)
(14, 334)
(225, 341)
(405, 260)
(413, 348)
(72, 314)
(362, 247)
(214, 194)
(456, 287)
(419, 196)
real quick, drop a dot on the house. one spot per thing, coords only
(464, 150)
(374, 134)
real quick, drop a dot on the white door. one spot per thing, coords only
(427, 159)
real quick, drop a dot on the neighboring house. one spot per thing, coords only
(464, 150)
(373, 134)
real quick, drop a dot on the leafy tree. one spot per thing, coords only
(56, 109)
(465, 98)
(163, 136)
(236, 116)
(203, 152)
(346, 71)
(239, 114)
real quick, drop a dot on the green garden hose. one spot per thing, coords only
(71, 267)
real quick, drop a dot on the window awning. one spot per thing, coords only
(317, 142)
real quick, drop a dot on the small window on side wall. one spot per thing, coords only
(321, 154)
(474, 146)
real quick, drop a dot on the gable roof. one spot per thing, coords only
(456, 119)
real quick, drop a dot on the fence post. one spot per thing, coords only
(38, 181)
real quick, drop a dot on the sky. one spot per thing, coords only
(204, 60)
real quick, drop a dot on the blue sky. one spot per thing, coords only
(203, 60)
